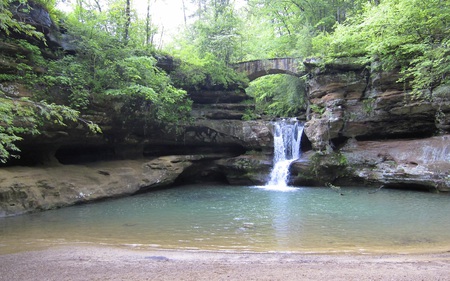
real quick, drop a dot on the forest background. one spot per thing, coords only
(116, 53)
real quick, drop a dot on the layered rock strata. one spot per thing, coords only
(369, 129)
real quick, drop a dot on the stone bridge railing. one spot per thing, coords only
(258, 68)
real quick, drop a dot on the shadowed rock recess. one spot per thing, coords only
(363, 128)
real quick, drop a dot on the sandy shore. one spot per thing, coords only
(113, 263)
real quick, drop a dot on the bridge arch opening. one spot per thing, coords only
(259, 68)
(278, 95)
(256, 75)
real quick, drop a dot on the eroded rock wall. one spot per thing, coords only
(368, 129)
(350, 100)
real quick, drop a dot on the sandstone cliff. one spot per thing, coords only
(368, 129)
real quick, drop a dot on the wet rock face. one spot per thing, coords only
(423, 162)
(355, 102)
(33, 14)
(38, 17)
(418, 164)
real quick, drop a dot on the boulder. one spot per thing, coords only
(249, 169)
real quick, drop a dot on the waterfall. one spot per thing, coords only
(286, 142)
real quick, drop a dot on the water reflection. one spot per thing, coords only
(283, 221)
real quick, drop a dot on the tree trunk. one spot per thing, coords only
(147, 25)
(184, 13)
(127, 21)
(80, 10)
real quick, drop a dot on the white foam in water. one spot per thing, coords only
(276, 188)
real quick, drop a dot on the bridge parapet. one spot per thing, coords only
(258, 68)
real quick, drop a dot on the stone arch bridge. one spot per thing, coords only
(258, 68)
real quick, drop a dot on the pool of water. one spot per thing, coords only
(245, 218)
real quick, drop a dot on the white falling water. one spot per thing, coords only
(287, 138)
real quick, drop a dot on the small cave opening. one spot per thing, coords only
(410, 187)
(305, 143)
(78, 154)
(201, 173)
(176, 149)
(338, 142)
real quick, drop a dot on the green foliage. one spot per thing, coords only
(217, 31)
(109, 17)
(109, 67)
(19, 117)
(140, 80)
(339, 159)
(277, 28)
(198, 71)
(67, 79)
(207, 47)
(368, 105)
(317, 109)
(102, 72)
(278, 95)
(25, 61)
(9, 24)
(409, 34)
(250, 115)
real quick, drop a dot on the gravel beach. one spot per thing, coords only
(81, 262)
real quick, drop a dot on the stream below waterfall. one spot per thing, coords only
(245, 218)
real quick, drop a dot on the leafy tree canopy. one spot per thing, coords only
(413, 35)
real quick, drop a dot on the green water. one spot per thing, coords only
(245, 219)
